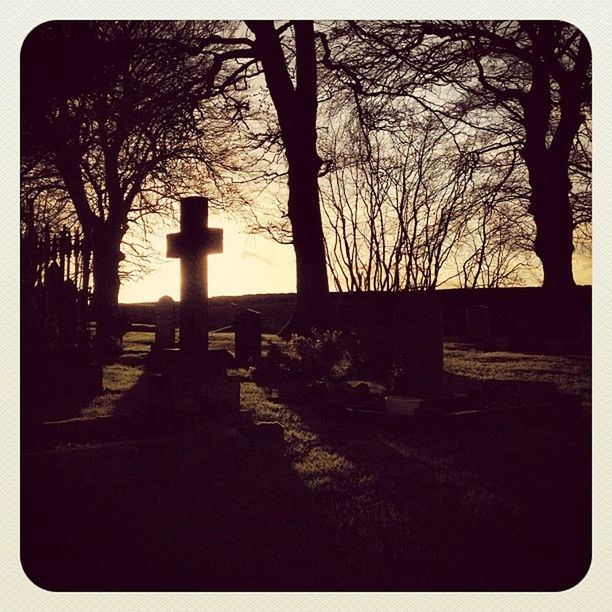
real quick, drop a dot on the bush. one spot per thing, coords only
(325, 357)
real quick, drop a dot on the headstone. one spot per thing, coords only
(247, 328)
(400, 333)
(190, 380)
(529, 334)
(165, 322)
(478, 324)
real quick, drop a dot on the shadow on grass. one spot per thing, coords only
(486, 507)
(205, 508)
(107, 507)
(52, 390)
(351, 505)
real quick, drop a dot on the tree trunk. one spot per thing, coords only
(296, 107)
(312, 308)
(106, 243)
(547, 164)
(552, 213)
(547, 160)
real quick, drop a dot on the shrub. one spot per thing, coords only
(324, 357)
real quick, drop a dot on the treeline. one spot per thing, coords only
(390, 154)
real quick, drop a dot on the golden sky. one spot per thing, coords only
(249, 264)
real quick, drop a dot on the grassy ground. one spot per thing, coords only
(341, 504)
(571, 373)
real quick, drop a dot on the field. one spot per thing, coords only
(349, 504)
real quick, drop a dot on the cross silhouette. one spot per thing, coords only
(192, 245)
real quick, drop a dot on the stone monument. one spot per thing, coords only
(189, 378)
(192, 245)
(165, 323)
(247, 328)
(399, 332)
(478, 325)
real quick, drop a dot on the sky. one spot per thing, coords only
(249, 264)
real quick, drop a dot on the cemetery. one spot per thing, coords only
(392, 392)
(230, 457)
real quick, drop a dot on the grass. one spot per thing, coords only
(120, 376)
(449, 510)
(359, 505)
(439, 512)
(123, 375)
(571, 373)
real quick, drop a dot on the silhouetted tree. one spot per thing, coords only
(527, 82)
(293, 90)
(396, 202)
(110, 111)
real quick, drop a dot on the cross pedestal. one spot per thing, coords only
(192, 245)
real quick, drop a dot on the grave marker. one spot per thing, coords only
(189, 380)
(399, 331)
(165, 322)
(247, 327)
(192, 245)
(478, 324)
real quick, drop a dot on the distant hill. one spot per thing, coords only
(275, 308)
(509, 308)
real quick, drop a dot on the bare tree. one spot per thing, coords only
(404, 198)
(495, 249)
(526, 82)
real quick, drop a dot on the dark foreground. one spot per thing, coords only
(200, 512)
(340, 504)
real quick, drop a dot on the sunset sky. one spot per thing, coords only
(249, 264)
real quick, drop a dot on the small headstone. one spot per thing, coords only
(529, 334)
(419, 347)
(165, 322)
(478, 324)
(247, 327)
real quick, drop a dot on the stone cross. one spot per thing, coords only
(192, 245)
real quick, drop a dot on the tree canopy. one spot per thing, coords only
(120, 118)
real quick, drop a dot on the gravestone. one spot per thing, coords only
(190, 379)
(165, 322)
(401, 333)
(192, 245)
(478, 325)
(247, 328)
(530, 334)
